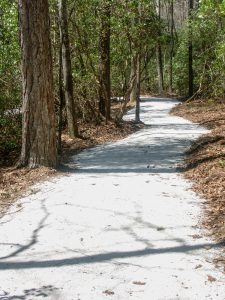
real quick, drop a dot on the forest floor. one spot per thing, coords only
(205, 161)
(15, 182)
(123, 225)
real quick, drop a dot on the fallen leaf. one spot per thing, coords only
(160, 228)
(108, 292)
(198, 266)
(211, 278)
(139, 283)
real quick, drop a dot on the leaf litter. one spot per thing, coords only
(205, 163)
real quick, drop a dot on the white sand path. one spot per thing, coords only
(120, 227)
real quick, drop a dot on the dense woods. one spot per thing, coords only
(94, 51)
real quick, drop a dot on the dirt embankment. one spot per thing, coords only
(205, 162)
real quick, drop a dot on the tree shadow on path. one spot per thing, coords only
(102, 257)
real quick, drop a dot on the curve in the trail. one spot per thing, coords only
(123, 225)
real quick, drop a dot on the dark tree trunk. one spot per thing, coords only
(67, 70)
(138, 69)
(137, 110)
(160, 69)
(190, 52)
(61, 103)
(159, 53)
(39, 132)
(133, 94)
(171, 46)
(104, 61)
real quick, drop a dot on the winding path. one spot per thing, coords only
(123, 226)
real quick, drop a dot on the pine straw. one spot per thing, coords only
(205, 162)
(16, 182)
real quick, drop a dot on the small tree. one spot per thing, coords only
(67, 70)
(104, 60)
(190, 51)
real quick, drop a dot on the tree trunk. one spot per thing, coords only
(67, 70)
(159, 53)
(190, 51)
(104, 61)
(160, 69)
(137, 109)
(39, 132)
(138, 69)
(133, 93)
(61, 103)
(171, 47)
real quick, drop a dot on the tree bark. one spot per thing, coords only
(61, 103)
(171, 46)
(133, 93)
(137, 109)
(190, 51)
(160, 69)
(38, 132)
(138, 69)
(159, 53)
(104, 61)
(67, 70)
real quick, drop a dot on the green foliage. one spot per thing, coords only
(208, 35)
(222, 163)
(126, 35)
(135, 29)
(10, 85)
(10, 128)
(180, 64)
(9, 56)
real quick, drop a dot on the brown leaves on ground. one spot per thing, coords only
(205, 162)
(15, 182)
(92, 135)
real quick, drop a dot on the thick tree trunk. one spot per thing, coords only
(39, 132)
(190, 51)
(67, 70)
(104, 62)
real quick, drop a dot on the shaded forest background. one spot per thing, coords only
(167, 47)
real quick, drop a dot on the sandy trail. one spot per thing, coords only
(123, 226)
